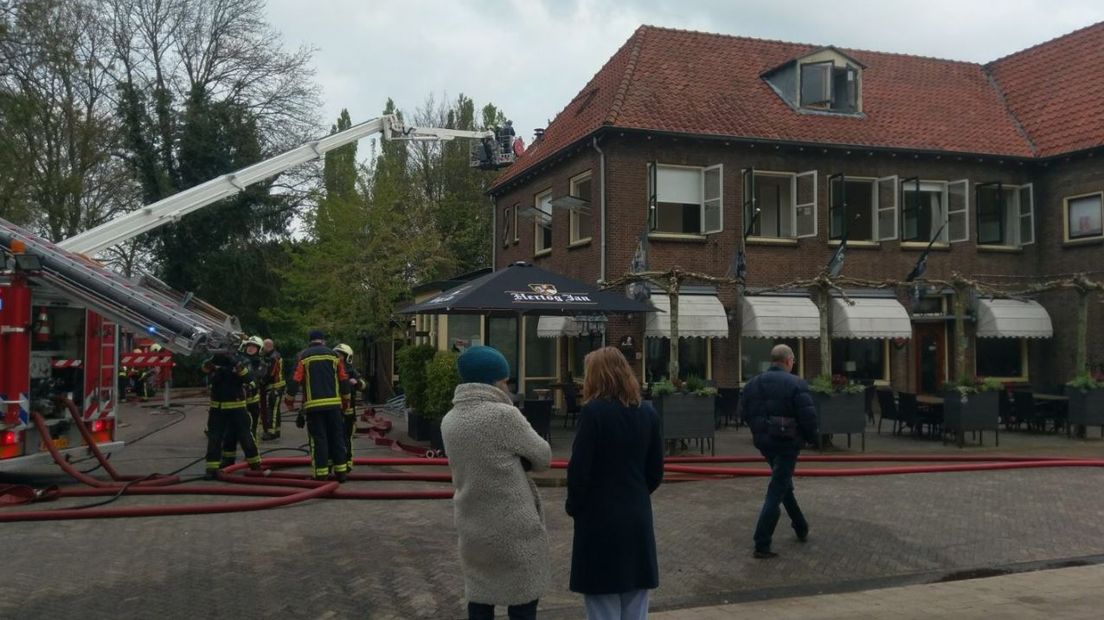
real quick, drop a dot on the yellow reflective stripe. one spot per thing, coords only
(227, 404)
(323, 402)
(256, 398)
(318, 358)
(243, 371)
(278, 385)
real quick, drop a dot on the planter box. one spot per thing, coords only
(979, 412)
(686, 416)
(843, 414)
(1086, 408)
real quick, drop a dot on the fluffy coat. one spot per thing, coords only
(497, 509)
(616, 463)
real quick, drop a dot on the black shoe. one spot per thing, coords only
(764, 555)
(341, 476)
(210, 474)
(803, 536)
(255, 466)
(267, 436)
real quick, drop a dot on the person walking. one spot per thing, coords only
(319, 372)
(499, 519)
(616, 464)
(779, 410)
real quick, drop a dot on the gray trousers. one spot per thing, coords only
(631, 605)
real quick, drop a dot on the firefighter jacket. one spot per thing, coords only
(274, 377)
(320, 373)
(349, 388)
(226, 378)
(256, 367)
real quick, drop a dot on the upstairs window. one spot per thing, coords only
(863, 209)
(779, 205)
(825, 86)
(580, 219)
(685, 200)
(1005, 214)
(1084, 217)
(924, 211)
(542, 204)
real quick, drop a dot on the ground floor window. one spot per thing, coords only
(862, 359)
(580, 346)
(755, 355)
(464, 332)
(1001, 357)
(693, 358)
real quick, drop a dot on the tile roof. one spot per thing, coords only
(1055, 90)
(698, 83)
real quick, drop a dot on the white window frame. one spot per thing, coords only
(792, 207)
(964, 211)
(944, 221)
(538, 214)
(654, 191)
(889, 210)
(799, 206)
(1066, 217)
(517, 233)
(1014, 214)
(573, 214)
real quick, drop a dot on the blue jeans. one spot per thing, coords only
(780, 491)
(631, 605)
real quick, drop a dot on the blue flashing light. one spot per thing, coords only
(151, 329)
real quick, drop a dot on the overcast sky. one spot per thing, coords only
(530, 57)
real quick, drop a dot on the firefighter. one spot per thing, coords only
(319, 372)
(227, 376)
(273, 385)
(249, 356)
(348, 392)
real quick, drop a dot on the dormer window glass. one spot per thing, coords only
(824, 86)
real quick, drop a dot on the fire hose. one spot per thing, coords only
(286, 488)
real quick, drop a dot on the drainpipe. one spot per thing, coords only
(602, 207)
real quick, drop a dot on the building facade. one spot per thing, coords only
(686, 143)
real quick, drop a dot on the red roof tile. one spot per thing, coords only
(1055, 90)
(709, 84)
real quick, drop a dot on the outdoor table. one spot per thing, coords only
(1057, 398)
(929, 401)
(542, 393)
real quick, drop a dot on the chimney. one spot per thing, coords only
(538, 135)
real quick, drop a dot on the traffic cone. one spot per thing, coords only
(42, 329)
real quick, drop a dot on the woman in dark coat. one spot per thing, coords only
(616, 463)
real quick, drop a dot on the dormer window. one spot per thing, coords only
(826, 81)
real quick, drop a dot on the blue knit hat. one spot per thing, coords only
(482, 365)
(315, 334)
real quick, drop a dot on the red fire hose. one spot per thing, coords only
(74, 412)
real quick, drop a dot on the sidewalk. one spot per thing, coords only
(1058, 593)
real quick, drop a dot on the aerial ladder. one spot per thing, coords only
(38, 274)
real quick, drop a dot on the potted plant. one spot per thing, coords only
(442, 377)
(972, 405)
(686, 413)
(840, 407)
(412, 361)
(1086, 402)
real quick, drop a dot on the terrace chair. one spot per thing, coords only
(539, 414)
(1005, 411)
(869, 394)
(1023, 407)
(909, 410)
(888, 406)
(728, 401)
(571, 404)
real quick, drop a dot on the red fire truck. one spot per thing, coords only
(62, 315)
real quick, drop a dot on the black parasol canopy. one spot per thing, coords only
(524, 289)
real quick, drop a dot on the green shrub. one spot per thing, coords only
(1086, 382)
(412, 362)
(694, 383)
(442, 377)
(662, 388)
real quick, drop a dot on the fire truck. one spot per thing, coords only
(64, 318)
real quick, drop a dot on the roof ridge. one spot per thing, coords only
(1044, 43)
(813, 45)
(630, 68)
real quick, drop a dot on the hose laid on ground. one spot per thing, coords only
(74, 412)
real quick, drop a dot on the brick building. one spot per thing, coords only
(688, 139)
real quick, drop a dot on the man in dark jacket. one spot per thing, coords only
(779, 410)
(319, 373)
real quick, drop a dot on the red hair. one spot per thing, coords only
(609, 376)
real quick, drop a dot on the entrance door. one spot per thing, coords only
(930, 360)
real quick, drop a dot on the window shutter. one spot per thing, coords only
(837, 206)
(887, 208)
(506, 227)
(1027, 214)
(712, 203)
(958, 206)
(653, 213)
(747, 209)
(805, 203)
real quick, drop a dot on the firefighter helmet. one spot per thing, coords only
(346, 349)
(254, 341)
(154, 348)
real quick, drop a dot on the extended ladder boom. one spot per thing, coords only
(171, 209)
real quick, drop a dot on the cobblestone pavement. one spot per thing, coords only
(336, 559)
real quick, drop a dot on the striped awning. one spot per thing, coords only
(779, 317)
(870, 318)
(700, 316)
(1010, 318)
